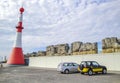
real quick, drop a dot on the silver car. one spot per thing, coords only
(67, 67)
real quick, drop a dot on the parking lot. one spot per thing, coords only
(26, 74)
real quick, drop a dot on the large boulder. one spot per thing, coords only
(41, 53)
(62, 49)
(94, 46)
(103, 44)
(50, 50)
(116, 45)
(83, 48)
(119, 41)
(106, 43)
(114, 40)
(33, 54)
(109, 42)
(110, 45)
(88, 47)
(75, 46)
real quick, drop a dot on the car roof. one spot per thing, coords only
(88, 61)
(67, 62)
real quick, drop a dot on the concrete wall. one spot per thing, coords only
(111, 60)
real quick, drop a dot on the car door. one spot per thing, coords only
(96, 67)
(75, 67)
(71, 68)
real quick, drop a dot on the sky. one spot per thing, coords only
(51, 22)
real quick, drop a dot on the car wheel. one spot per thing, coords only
(104, 71)
(66, 71)
(90, 72)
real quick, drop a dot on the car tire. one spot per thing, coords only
(90, 72)
(104, 71)
(66, 71)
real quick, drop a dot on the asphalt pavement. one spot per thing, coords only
(25, 74)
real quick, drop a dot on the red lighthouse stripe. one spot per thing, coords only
(19, 30)
(20, 24)
(19, 27)
(16, 57)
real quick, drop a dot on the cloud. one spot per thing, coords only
(49, 22)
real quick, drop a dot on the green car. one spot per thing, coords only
(91, 67)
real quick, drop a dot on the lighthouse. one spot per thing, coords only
(16, 57)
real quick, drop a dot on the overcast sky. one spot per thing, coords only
(51, 22)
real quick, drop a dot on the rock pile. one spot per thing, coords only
(78, 48)
(41, 53)
(110, 45)
(60, 49)
(50, 50)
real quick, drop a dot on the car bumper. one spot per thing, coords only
(60, 70)
(85, 70)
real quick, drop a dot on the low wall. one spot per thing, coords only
(111, 60)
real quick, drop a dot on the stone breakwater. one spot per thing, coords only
(78, 48)
(109, 45)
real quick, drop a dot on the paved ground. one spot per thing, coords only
(39, 75)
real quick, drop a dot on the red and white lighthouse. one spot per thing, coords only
(16, 57)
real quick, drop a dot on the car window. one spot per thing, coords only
(95, 64)
(83, 63)
(65, 64)
(88, 63)
(75, 64)
(70, 64)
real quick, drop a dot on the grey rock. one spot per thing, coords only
(62, 49)
(119, 41)
(88, 47)
(41, 53)
(75, 46)
(112, 42)
(50, 50)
